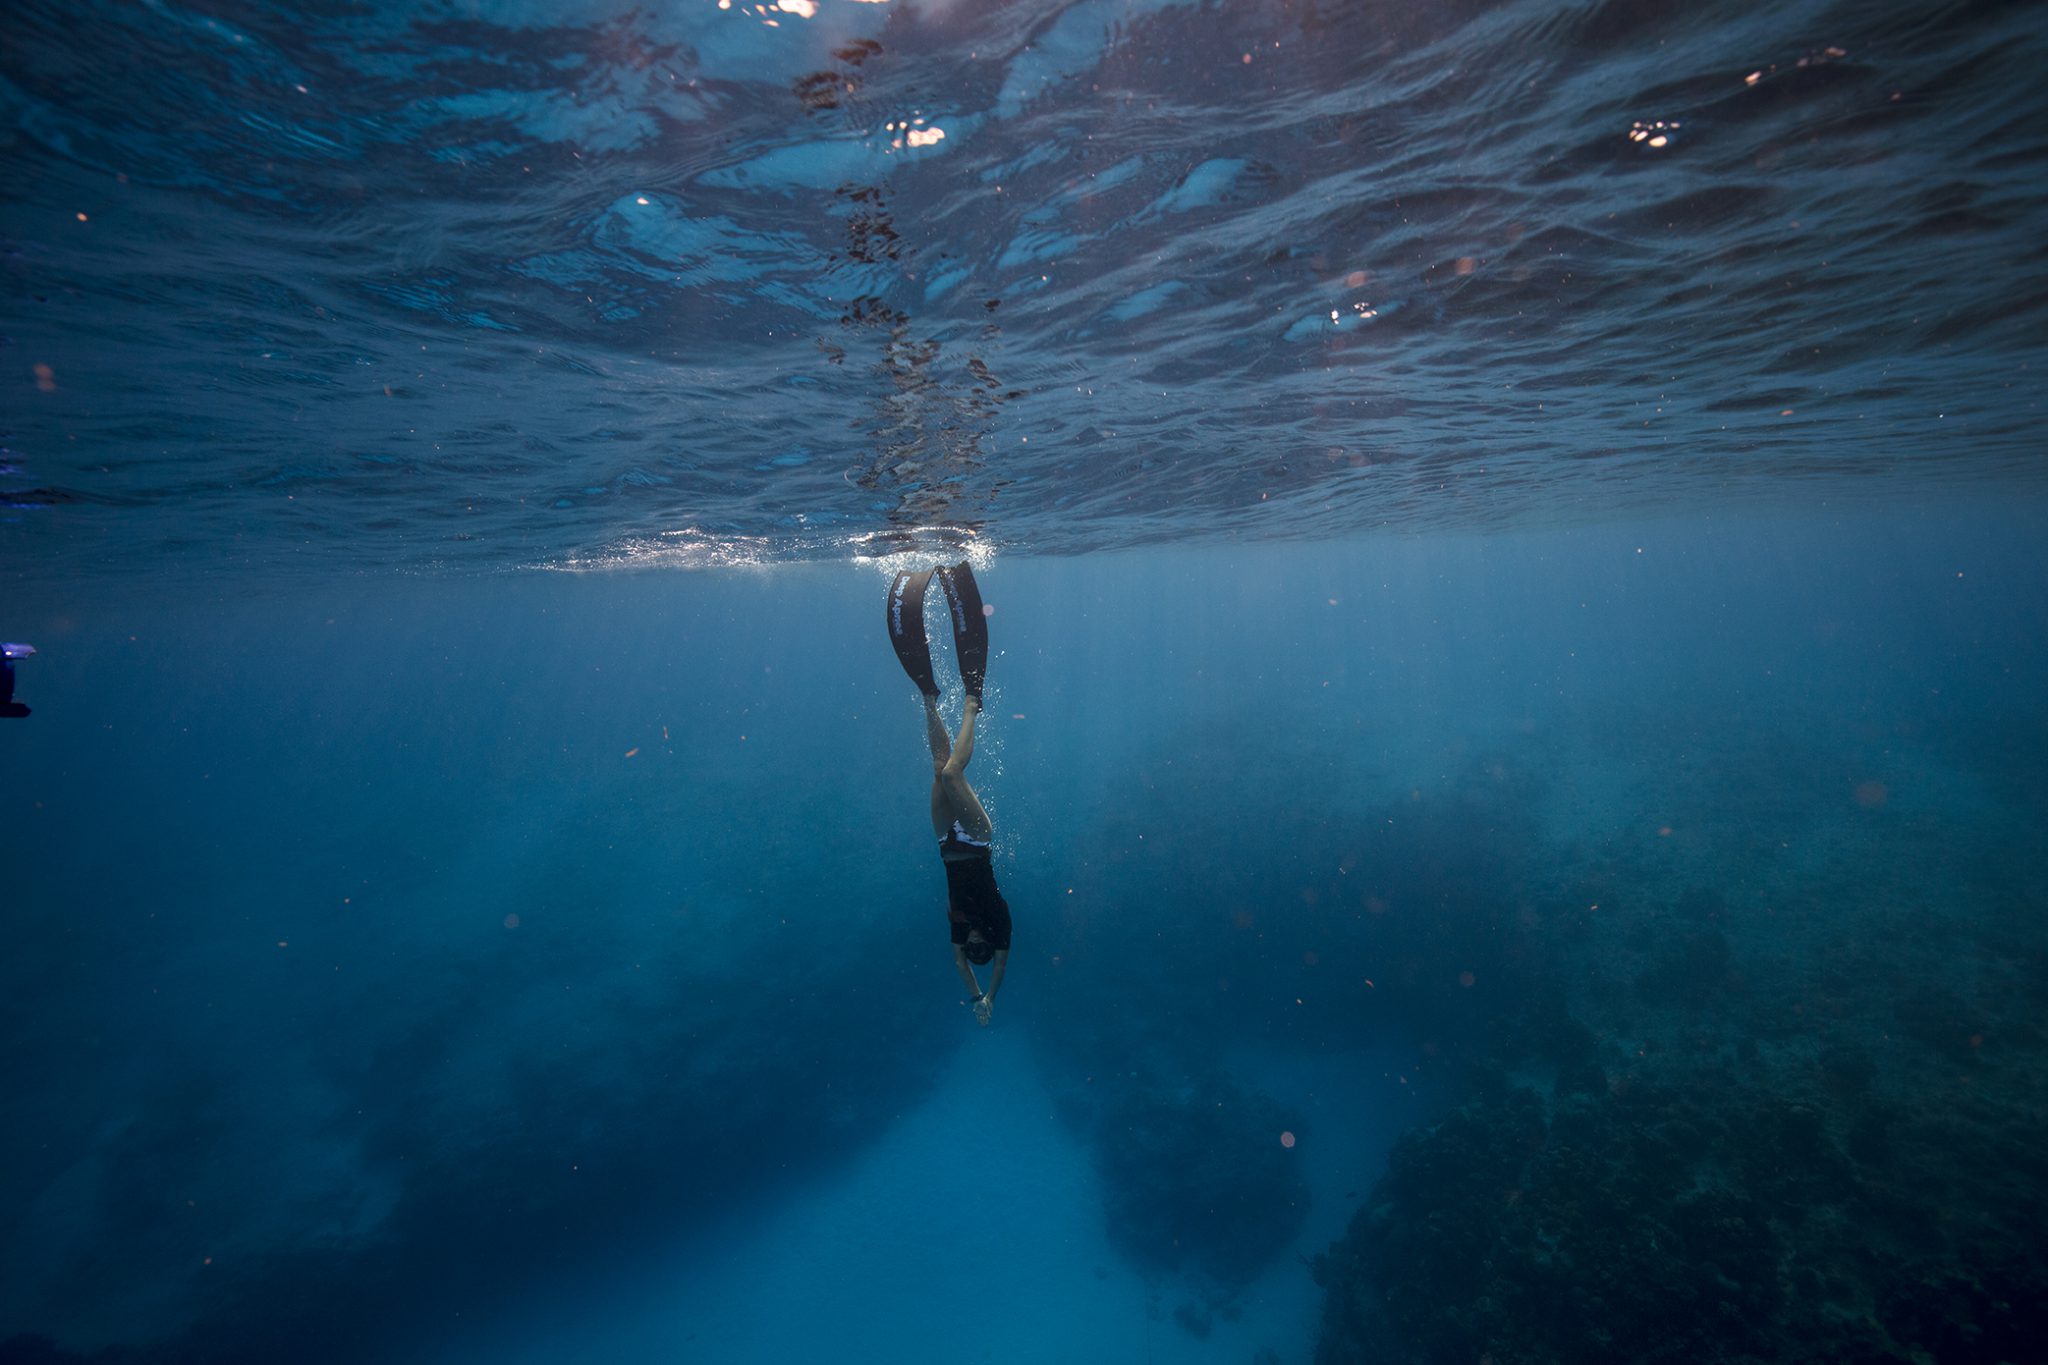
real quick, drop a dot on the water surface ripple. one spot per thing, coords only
(502, 283)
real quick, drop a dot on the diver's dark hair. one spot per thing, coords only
(979, 953)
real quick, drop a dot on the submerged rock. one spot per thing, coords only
(1784, 1159)
(1197, 1180)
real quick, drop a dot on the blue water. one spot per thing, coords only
(1514, 545)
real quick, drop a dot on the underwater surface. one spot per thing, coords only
(1512, 540)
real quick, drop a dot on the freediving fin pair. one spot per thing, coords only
(970, 626)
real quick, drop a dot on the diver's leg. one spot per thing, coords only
(953, 799)
(935, 733)
(949, 784)
(942, 804)
(942, 749)
(963, 748)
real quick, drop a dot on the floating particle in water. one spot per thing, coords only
(634, 750)
(512, 921)
(1287, 1139)
(1466, 979)
(46, 379)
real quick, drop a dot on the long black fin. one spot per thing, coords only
(906, 629)
(970, 626)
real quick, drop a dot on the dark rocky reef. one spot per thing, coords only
(1582, 1231)
(1333, 925)
(1712, 1222)
(1765, 1107)
(1198, 1181)
(587, 1153)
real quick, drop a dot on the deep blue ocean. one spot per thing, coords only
(1515, 548)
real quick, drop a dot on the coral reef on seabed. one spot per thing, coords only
(1790, 1117)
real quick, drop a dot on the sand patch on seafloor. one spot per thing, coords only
(971, 1231)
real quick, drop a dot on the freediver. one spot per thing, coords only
(9, 707)
(979, 915)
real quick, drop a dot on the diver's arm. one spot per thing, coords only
(966, 971)
(987, 1003)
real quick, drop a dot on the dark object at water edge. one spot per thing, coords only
(9, 707)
